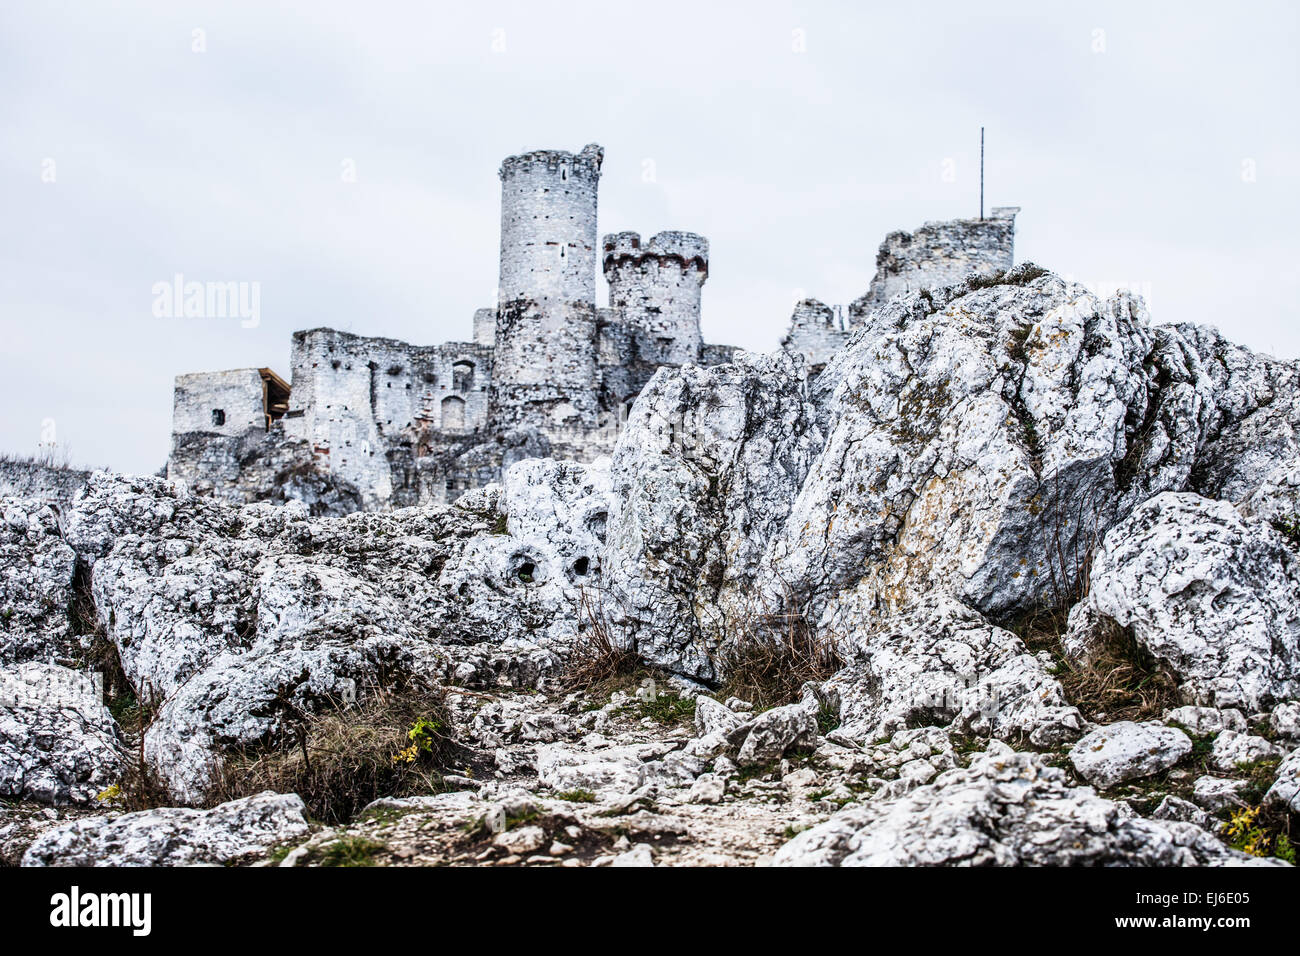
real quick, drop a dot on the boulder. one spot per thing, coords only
(702, 477)
(1285, 791)
(1210, 594)
(941, 664)
(58, 742)
(1126, 750)
(777, 731)
(174, 836)
(1006, 809)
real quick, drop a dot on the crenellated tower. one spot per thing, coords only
(657, 286)
(545, 365)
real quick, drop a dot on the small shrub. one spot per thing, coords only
(391, 744)
(577, 796)
(1289, 527)
(1119, 679)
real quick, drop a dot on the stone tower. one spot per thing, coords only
(657, 288)
(545, 365)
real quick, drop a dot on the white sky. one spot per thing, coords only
(226, 165)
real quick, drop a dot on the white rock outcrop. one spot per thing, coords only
(702, 478)
(1213, 596)
(174, 836)
(1006, 809)
(58, 742)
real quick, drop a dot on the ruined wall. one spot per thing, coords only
(485, 327)
(370, 406)
(224, 403)
(28, 478)
(816, 332)
(711, 355)
(938, 254)
(259, 465)
(657, 286)
(545, 354)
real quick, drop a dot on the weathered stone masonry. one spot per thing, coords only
(936, 254)
(376, 423)
(547, 373)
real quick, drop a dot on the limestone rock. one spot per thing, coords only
(777, 731)
(226, 615)
(941, 664)
(1206, 720)
(1007, 809)
(1232, 748)
(561, 767)
(712, 717)
(1126, 750)
(58, 742)
(979, 434)
(1285, 790)
(1284, 721)
(174, 836)
(702, 477)
(1216, 793)
(1212, 595)
(36, 578)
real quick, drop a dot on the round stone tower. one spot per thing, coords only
(657, 288)
(544, 370)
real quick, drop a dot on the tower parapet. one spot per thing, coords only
(657, 286)
(545, 337)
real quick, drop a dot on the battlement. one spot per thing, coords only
(688, 249)
(584, 165)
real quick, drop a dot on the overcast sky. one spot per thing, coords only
(1156, 147)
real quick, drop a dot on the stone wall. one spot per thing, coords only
(939, 254)
(223, 403)
(816, 332)
(28, 478)
(369, 406)
(259, 465)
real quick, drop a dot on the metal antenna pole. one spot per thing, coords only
(981, 173)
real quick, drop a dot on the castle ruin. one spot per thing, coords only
(373, 423)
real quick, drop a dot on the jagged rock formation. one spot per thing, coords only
(974, 455)
(702, 480)
(1209, 593)
(1006, 809)
(58, 742)
(36, 577)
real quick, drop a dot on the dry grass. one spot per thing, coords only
(1119, 679)
(392, 743)
(599, 663)
(769, 658)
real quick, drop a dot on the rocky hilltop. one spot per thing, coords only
(1015, 579)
